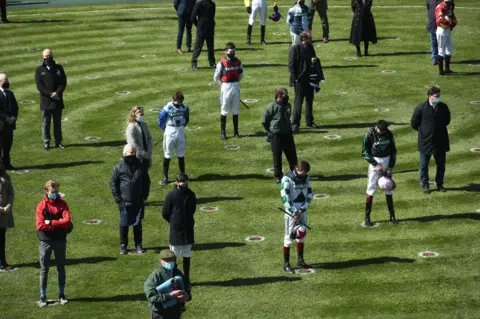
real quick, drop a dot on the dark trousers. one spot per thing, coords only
(184, 21)
(59, 248)
(3, 9)
(322, 12)
(157, 315)
(137, 235)
(3, 259)
(285, 144)
(6, 141)
(199, 45)
(440, 160)
(57, 125)
(303, 91)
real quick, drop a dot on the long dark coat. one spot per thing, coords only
(363, 25)
(178, 209)
(431, 124)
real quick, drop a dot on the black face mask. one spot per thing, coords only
(285, 99)
(6, 85)
(231, 56)
(48, 61)
(130, 159)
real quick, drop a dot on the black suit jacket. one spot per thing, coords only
(49, 81)
(184, 7)
(299, 61)
(8, 108)
(203, 16)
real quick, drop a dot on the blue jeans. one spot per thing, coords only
(434, 46)
(440, 160)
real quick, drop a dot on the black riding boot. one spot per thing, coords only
(359, 53)
(235, 126)
(181, 165)
(447, 65)
(223, 124)
(440, 66)
(286, 260)
(368, 210)
(262, 35)
(249, 34)
(301, 262)
(365, 46)
(391, 210)
(166, 165)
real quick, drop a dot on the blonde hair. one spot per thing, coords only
(51, 184)
(134, 110)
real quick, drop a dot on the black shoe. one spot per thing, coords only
(450, 72)
(194, 67)
(123, 249)
(366, 53)
(313, 125)
(236, 135)
(62, 299)
(140, 249)
(46, 147)
(295, 129)
(359, 54)
(189, 49)
(441, 189)
(60, 145)
(213, 65)
(223, 137)
(248, 42)
(263, 43)
(368, 223)
(303, 264)
(5, 21)
(393, 220)
(278, 180)
(288, 268)
(426, 190)
(9, 167)
(164, 180)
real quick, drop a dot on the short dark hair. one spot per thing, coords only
(304, 165)
(305, 35)
(229, 46)
(433, 90)
(178, 96)
(182, 178)
(281, 92)
(382, 125)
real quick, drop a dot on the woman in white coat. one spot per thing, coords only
(139, 136)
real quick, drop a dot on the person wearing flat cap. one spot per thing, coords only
(163, 304)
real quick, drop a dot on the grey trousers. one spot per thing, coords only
(59, 248)
(57, 125)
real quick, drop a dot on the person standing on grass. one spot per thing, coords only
(3, 11)
(6, 214)
(51, 81)
(253, 7)
(297, 20)
(8, 119)
(276, 121)
(432, 28)
(229, 73)
(321, 6)
(172, 120)
(446, 21)
(380, 152)
(53, 224)
(165, 305)
(178, 210)
(296, 194)
(130, 187)
(184, 10)
(363, 26)
(203, 16)
(138, 135)
(431, 119)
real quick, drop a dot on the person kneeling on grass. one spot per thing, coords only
(53, 225)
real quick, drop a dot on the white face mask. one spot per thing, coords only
(435, 100)
(140, 118)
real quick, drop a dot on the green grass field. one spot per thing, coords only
(360, 273)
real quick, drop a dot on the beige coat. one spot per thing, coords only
(6, 198)
(135, 138)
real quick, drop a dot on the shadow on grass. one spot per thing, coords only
(356, 125)
(309, 130)
(334, 40)
(279, 42)
(39, 21)
(236, 49)
(466, 62)
(155, 203)
(261, 65)
(362, 262)
(204, 246)
(72, 261)
(206, 200)
(145, 19)
(406, 171)
(239, 282)
(99, 144)
(256, 134)
(345, 177)
(137, 297)
(475, 188)
(433, 218)
(60, 165)
(401, 53)
(349, 66)
(218, 177)
(465, 73)
(12, 3)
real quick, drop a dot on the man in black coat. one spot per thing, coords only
(51, 81)
(305, 74)
(431, 119)
(363, 25)
(8, 119)
(130, 187)
(184, 10)
(3, 11)
(178, 210)
(203, 16)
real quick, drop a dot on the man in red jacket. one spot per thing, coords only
(53, 225)
(446, 21)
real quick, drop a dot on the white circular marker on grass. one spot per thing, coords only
(155, 110)
(118, 43)
(332, 137)
(254, 238)
(301, 271)
(232, 147)
(92, 77)
(250, 101)
(381, 110)
(92, 138)
(279, 33)
(193, 128)
(270, 170)
(473, 32)
(27, 102)
(208, 208)
(339, 93)
(474, 64)
(428, 254)
(180, 70)
(65, 119)
(33, 49)
(320, 196)
(9, 270)
(475, 102)
(475, 150)
(389, 71)
(20, 171)
(62, 62)
(123, 92)
(92, 221)
(374, 225)
(212, 84)
(148, 56)
(478, 210)
(350, 58)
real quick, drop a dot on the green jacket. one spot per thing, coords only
(276, 118)
(379, 145)
(155, 299)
